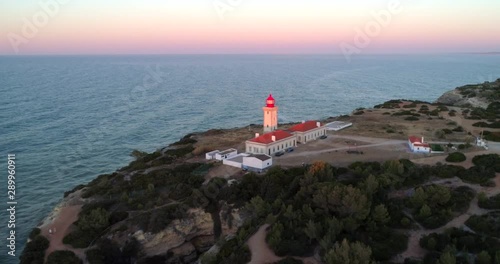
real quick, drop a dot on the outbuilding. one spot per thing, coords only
(417, 145)
(211, 155)
(257, 161)
(228, 153)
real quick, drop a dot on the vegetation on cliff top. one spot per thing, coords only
(490, 90)
(334, 211)
(343, 214)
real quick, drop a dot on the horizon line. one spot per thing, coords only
(249, 53)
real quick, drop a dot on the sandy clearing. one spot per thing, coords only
(62, 226)
(261, 253)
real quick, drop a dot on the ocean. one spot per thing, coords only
(70, 118)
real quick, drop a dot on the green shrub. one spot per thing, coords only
(447, 131)
(459, 239)
(456, 157)
(487, 224)
(34, 251)
(290, 260)
(411, 118)
(464, 146)
(489, 203)
(412, 105)
(436, 147)
(78, 239)
(491, 136)
(180, 152)
(34, 232)
(63, 257)
(185, 140)
(488, 161)
(477, 175)
(95, 256)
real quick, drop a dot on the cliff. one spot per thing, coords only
(477, 95)
(186, 238)
(170, 206)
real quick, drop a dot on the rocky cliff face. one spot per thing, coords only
(476, 95)
(187, 238)
(454, 98)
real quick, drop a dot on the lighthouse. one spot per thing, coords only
(270, 115)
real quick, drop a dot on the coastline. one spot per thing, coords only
(68, 208)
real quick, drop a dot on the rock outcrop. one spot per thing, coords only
(454, 98)
(186, 238)
(475, 95)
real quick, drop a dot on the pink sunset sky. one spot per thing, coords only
(245, 26)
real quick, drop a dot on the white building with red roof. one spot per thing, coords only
(417, 144)
(308, 131)
(271, 142)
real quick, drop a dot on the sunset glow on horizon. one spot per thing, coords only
(249, 26)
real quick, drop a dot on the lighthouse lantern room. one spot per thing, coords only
(270, 115)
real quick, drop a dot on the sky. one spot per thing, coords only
(248, 26)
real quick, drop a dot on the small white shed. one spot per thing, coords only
(228, 153)
(211, 155)
(257, 161)
(235, 161)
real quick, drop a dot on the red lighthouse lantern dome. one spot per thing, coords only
(270, 101)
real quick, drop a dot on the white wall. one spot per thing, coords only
(304, 137)
(270, 149)
(231, 163)
(257, 163)
(418, 148)
(218, 156)
(211, 155)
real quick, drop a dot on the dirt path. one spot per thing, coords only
(366, 142)
(261, 253)
(59, 227)
(59, 223)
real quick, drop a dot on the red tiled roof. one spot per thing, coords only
(268, 137)
(417, 142)
(303, 127)
(414, 139)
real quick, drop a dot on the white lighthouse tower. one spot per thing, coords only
(270, 115)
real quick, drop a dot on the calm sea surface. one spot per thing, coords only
(71, 118)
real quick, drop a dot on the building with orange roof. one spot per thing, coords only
(308, 131)
(270, 143)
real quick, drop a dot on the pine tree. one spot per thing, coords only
(349, 253)
(447, 258)
(380, 214)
